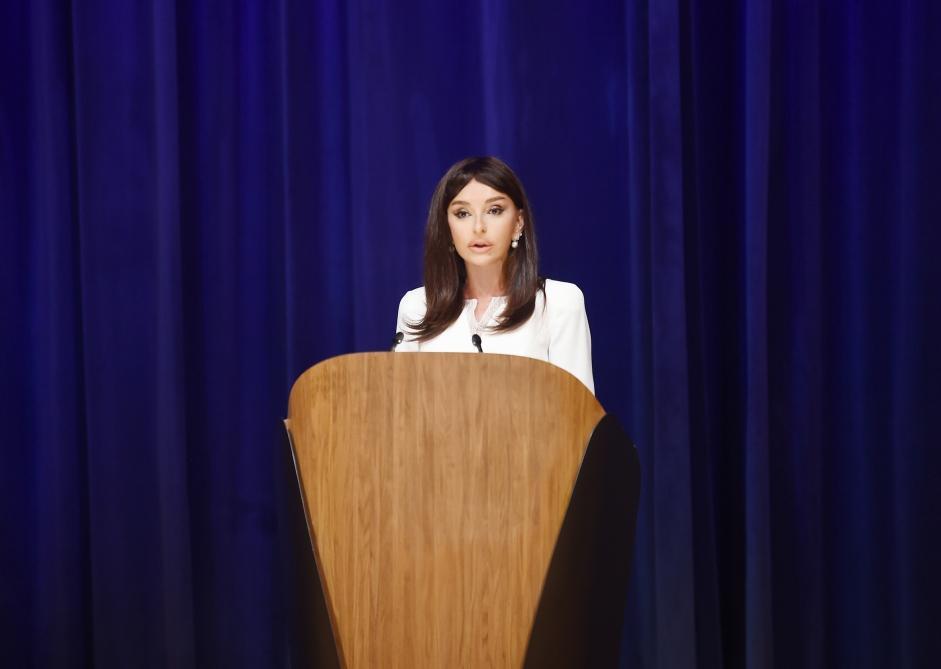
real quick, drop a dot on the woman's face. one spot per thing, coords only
(483, 222)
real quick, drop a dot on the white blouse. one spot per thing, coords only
(557, 332)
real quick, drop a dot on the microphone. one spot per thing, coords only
(476, 340)
(396, 340)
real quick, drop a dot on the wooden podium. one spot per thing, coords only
(462, 510)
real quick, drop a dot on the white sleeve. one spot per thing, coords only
(404, 318)
(569, 336)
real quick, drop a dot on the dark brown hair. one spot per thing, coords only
(445, 273)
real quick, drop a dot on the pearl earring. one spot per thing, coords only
(515, 243)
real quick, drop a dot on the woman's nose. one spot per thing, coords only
(479, 224)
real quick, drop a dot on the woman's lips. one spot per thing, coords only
(480, 247)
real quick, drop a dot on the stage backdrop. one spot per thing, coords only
(200, 200)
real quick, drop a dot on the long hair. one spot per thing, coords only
(445, 273)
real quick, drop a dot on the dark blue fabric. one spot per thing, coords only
(201, 200)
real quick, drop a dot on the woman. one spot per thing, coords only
(482, 289)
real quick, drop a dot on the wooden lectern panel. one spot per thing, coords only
(435, 508)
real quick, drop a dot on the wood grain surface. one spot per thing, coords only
(435, 487)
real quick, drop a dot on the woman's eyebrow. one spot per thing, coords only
(467, 204)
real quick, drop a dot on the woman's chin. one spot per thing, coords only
(483, 260)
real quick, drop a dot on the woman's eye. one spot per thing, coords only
(461, 213)
(496, 211)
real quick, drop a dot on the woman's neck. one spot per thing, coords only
(483, 283)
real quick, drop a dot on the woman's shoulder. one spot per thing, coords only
(413, 302)
(563, 295)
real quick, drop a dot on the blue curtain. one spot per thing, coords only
(199, 200)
